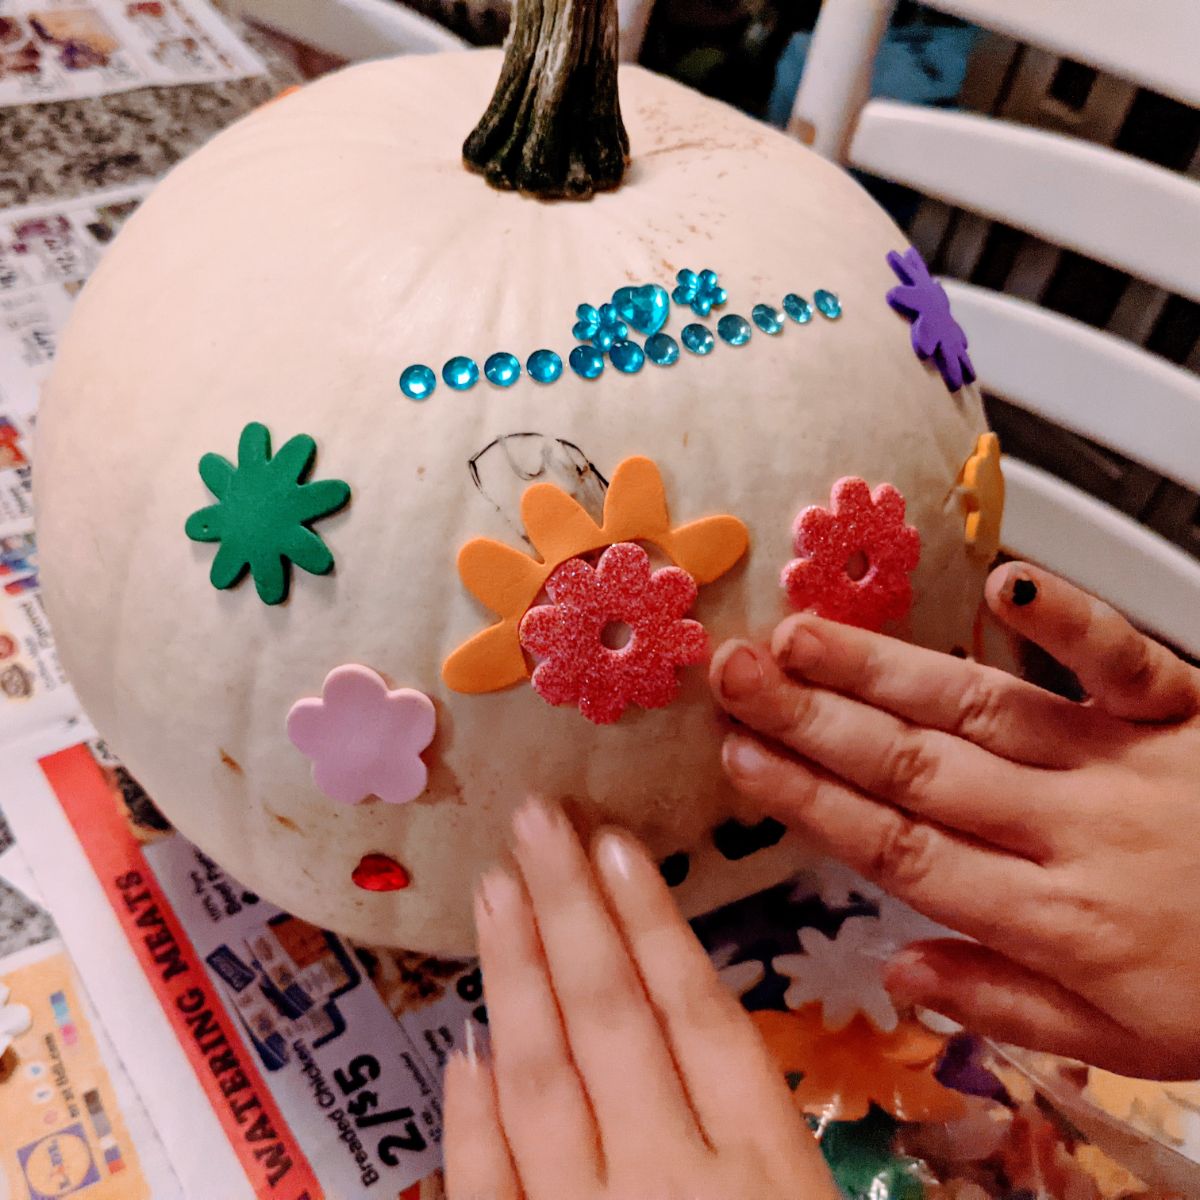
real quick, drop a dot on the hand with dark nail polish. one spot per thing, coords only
(1061, 836)
(620, 1068)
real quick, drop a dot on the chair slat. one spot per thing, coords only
(1051, 523)
(1152, 42)
(1086, 380)
(1109, 206)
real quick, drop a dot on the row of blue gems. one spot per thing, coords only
(461, 373)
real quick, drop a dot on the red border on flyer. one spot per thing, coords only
(274, 1164)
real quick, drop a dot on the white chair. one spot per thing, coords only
(351, 29)
(1106, 205)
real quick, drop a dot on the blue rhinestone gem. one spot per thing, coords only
(587, 362)
(502, 369)
(701, 292)
(767, 318)
(697, 339)
(662, 349)
(461, 373)
(601, 326)
(627, 357)
(734, 329)
(645, 308)
(544, 366)
(828, 305)
(797, 308)
(418, 381)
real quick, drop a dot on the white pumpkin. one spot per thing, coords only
(286, 274)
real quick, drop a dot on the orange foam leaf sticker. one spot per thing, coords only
(508, 582)
(981, 486)
(846, 1071)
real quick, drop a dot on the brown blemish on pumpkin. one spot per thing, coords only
(285, 822)
(686, 435)
(231, 762)
(420, 472)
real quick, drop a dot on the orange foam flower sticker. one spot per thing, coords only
(508, 582)
(981, 487)
(846, 1071)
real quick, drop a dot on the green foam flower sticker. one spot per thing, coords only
(263, 512)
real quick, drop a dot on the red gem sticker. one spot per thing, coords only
(579, 636)
(378, 873)
(855, 557)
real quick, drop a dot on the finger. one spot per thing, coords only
(477, 1162)
(991, 995)
(613, 1033)
(734, 1086)
(1124, 672)
(991, 708)
(925, 772)
(977, 890)
(543, 1107)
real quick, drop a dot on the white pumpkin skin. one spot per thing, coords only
(286, 274)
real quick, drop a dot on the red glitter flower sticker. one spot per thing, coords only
(855, 557)
(592, 607)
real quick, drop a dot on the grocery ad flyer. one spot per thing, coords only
(69, 1120)
(73, 49)
(318, 1086)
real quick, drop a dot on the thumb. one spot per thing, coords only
(993, 996)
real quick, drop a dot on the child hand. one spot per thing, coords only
(620, 1065)
(1064, 837)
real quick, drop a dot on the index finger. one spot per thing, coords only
(980, 704)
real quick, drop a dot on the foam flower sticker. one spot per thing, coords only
(855, 557)
(935, 333)
(508, 582)
(601, 326)
(619, 592)
(364, 739)
(263, 513)
(700, 292)
(15, 1020)
(842, 1073)
(981, 488)
(843, 975)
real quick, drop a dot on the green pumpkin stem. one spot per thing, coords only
(553, 129)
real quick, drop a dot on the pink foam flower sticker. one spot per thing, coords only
(364, 739)
(577, 666)
(855, 557)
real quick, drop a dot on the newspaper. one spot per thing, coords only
(262, 1046)
(73, 49)
(46, 254)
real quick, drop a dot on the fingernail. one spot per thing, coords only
(742, 674)
(534, 823)
(743, 756)
(1022, 592)
(909, 977)
(494, 892)
(797, 648)
(614, 857)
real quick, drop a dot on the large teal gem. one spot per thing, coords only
(645, 308)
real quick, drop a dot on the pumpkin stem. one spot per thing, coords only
(553, 129)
